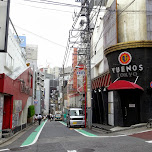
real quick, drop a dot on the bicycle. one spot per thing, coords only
(149, 123)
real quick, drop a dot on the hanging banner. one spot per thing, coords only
(4, 21)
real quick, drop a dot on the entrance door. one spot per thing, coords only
(7, 112)
(130, 100)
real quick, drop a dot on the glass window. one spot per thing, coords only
(76, 112)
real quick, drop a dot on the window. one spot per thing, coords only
(76, 113)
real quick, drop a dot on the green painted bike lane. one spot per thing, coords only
(83, 132)
(34, 135)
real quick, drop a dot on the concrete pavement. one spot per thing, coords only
(27, 136)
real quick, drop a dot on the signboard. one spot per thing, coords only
(35, 102)
(126, 69)
(4, 21)
(124, 58)
(131, 105)
(22, 41)
(80, 72)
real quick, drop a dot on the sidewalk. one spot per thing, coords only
(3, 140)
(112, 129)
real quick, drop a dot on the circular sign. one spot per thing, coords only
(81, 66)
(151, 84)
(124, 58)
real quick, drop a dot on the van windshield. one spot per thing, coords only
(58, 115)
(76, 112)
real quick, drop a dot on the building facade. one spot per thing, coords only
(15, 77)
(123, 93)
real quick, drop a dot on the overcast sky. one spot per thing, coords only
(45, 21)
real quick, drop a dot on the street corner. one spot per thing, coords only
(144, 135)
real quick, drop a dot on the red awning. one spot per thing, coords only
(122, 85)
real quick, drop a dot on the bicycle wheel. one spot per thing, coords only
(149, 124)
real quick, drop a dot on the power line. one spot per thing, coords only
(52, 3)
(40, 36)
(42, 8)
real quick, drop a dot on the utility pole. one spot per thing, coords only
(63, 91)
(89, 104)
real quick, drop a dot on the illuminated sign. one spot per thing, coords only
(124, 58)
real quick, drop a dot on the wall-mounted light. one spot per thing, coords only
(104, 89)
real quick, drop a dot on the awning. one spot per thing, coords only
(122, 85)
(103, 80)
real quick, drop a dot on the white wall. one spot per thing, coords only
(99, 64)
(47, 95)
(132, 26)
(14, 59)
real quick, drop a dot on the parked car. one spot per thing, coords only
(75, 117)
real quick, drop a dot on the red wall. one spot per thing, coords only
(13, 87)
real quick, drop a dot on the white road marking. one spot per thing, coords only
(71, 151)
(62, 123)
(150, 141)
(114, 136)
(4, 149)
(37, 136)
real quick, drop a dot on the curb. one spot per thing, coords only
(129, 128)
(121, 129)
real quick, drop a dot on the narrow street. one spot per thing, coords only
(56, 137)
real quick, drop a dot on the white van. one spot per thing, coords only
(75, 117)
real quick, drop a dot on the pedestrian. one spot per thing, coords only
(44, 117)
(39, 118)
(48, 116)
(52, 117)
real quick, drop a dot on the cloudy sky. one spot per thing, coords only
(45, 25)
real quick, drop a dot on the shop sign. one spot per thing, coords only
(126, 70)
(124, 58)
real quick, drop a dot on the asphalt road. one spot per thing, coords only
(56, 137)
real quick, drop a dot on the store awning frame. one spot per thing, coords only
(124, 85)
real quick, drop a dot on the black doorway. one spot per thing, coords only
(130, 103)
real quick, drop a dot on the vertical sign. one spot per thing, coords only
(4, 21)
